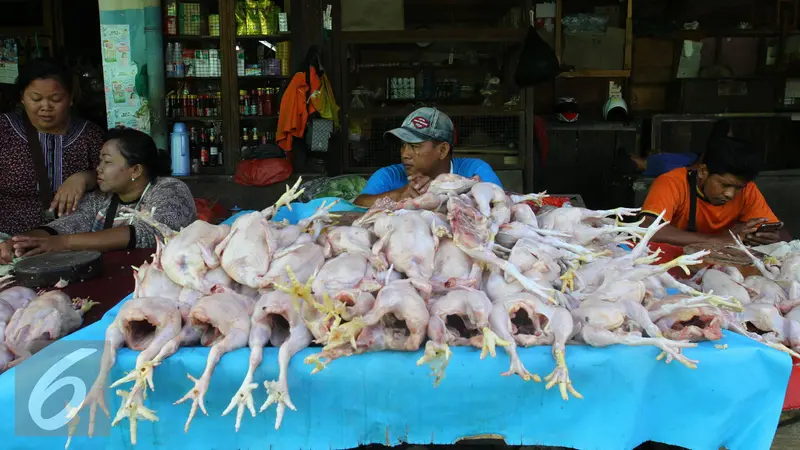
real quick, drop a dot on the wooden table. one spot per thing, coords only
(113, 285)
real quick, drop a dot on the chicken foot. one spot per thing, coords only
(756, 262)
(133, 409)
(278, 391)
(236, 339)
(260, 333)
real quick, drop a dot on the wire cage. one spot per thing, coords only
(495, 139)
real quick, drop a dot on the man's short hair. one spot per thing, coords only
(727, 155)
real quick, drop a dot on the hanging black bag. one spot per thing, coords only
(537, 61)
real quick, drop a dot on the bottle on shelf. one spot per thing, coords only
(213, 149)
(245, 141)
(204, 153)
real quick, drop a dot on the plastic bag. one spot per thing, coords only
(262, 172)
(346, 187)
(537, 61)
(211, 212)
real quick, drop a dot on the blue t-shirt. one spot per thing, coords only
(394, 177)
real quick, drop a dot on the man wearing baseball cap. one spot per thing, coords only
(427, 139)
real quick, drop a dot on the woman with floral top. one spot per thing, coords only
(71, 148)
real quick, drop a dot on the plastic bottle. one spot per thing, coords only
(179, 148)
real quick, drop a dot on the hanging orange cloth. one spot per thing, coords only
(295, 109)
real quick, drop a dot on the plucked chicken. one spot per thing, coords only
(275, 320)
(522, 319)
(459, 318)
(223, 319)
(143, 324)
(48, 317)
(188, 254)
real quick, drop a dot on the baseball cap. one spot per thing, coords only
(425, 124)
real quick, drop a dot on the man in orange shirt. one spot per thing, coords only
(703, 204)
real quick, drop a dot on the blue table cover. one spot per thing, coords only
(732, 399)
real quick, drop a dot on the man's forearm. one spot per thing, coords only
(102, 241)
(368, 200)
(675, 236)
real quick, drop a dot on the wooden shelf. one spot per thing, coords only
(264, 77)
(190, 37)
(273, 117)
(696, 35)
(194, 78)
(596, 74)
(269, 37)
(451, 110)
(434, 35)
(194, 119)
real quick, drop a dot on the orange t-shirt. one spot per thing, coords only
(670, 193)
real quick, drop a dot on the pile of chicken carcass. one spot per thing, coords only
(29, 321)
(462, 265)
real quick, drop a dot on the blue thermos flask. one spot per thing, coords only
(179, 148)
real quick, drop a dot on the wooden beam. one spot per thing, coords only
(625, 73)
(559, 30)
(432, 35)
(628, 37)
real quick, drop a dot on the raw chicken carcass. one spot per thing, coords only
(721, 283)
(247, 252)
(682, 317)
(150, 280)
(305, 259)
(452, 268)
(143, 324)
(460, 318)
(471, 233)
(768, 290)
(451, 184)
(398, 321)
(338, 240)
(578, 223)
(45, 319)
(348, 271)
(275, 320)
(223, 319)
(764, 323)
(408, 240)
(522, 319)
(17, 298)
(602, 323)
(188, 254)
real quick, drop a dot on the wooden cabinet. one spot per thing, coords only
(233, 76)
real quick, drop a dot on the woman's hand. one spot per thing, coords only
(70, 193)
(25, 246)
(7, 252)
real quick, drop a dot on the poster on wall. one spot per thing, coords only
(124, 107)
(9, 61)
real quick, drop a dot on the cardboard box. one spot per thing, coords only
(595, 51)
(372, 15)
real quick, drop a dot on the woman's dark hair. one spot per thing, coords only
(44, 69)
(727, 155)
(139, 148)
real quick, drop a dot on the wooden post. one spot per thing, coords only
(629, 36)
(559, 29)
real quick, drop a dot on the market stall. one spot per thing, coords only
(733, 398)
